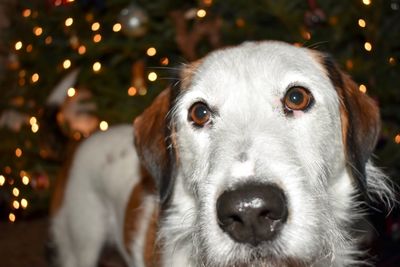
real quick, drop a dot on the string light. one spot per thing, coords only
(368, 46)
(35, 77)
(96, 66)
(71, 92)
(26, 13)
(366, 2)
(201, 13)
(362, 88)
(392, 61)
(397, 139)
(11, 217)
(29, 48)
(37, 31)
(18, 152)
(24, 203)
(35, 128)
(67, 64)
(132, 91)
(18, 45)
(151, 52)
(97, 38)
(32, 120)
(142, 91)
(57, 2)
(103, 125)
(207, 2)
(48, 40)
(2, 180)
(95, 26)
(152, 76)
(25, 180)
(362, 23)
(117, 27)
(164, 61)
(81, 50)
(15, 192)
(69, 22)
(16, 204)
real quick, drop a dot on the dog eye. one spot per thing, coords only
(297, 98)
(199, 114)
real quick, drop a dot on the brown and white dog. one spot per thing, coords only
(259, 157)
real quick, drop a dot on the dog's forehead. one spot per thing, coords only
(262, 64)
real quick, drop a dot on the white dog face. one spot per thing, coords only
(260, 146)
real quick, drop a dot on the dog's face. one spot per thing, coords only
(255, 172)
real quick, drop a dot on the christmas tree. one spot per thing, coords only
(75, 66)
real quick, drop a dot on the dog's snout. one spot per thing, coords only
(252, 213)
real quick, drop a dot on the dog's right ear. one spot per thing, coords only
(150, 136)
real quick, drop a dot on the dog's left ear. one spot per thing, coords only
(151, 130)
(360, 121)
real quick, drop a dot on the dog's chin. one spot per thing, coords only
(262, 256)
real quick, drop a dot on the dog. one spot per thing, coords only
(260, 156)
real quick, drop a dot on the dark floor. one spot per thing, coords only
(22, 243)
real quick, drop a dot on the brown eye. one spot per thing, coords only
(199, 114)
(297, 98)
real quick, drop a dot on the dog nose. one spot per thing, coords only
(252, 213)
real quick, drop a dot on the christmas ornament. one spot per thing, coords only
(134, 21)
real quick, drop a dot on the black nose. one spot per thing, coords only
(252, 213)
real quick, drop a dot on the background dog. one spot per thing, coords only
(260, 156)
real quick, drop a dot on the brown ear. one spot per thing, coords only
(151, 132)
(360, 121)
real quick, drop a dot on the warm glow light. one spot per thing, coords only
(26, 13)
(25, 180)
(152, 76)
(151, 52)
(366, 2)
(207, 2)
(32, 120)
(397, 139)
(24, 203)
(103, 125)
(18, 45)
(35, 128)
(35, 77)
(69, 21)
(368, 46)
(132, 91)
(362, 23)
(16, 204)
(18, 152)
(67, 64)
(38, 31)
(95, 26)
(71, 92)
(117, 27)
(164, 61)
(143, 91)
(29, 48)
(11, 217)
(15, 192)
(362, 88)
(81, 50)
(97, 66)
(48, 40)
(2, 180)
(392, 61)
(201, 13)
(97, 38)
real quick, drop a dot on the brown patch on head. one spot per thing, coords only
(187, 72)
(359, 116)
(151, 132)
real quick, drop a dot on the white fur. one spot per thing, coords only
(303, 154)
